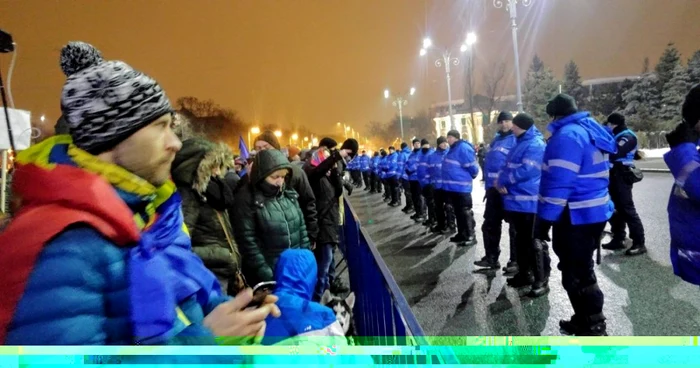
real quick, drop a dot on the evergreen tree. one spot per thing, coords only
(694, 68)
(667, 64)
(642, 103)
(673, 96)
(572, 85)
(540, 87)
(607, 98)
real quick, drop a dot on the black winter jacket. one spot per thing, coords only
(327, 184)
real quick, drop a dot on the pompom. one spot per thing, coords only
(78, 55)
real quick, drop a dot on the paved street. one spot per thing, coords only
(642, 296)
(651, 163)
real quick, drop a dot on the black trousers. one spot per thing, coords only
(407, 192)
(524, 224)
(387, 188)
(494, 215)
(575, 246)
(429, 196)
(625, 211)
(444, 213)
(376, 183)
(395, 189)
(417, 195)
(365, 178)
(462, 203)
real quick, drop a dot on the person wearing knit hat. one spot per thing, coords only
(459, 169)
(392, 177)
(86, 195)
(329, 143)
(293, 153)
(575, 203)
(404, 184)
(443, 212)
(684, 204)
(297, 181)
(364, 164)
(416, 204)
(620, 188)
(518, 183)
(424, 179)
(495, 159)
(561, 105)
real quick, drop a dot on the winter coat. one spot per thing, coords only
(383, 167)
(374, 164)
(232, 180)
(209, 228)
(522, 171)
(435, 167)
(412, 165)
(296, 276)
(300, 184)
(363, 163)
(402, 159)
(459, 168)
(575, 171)
(495, 158)
(327, 184)
(392, 166)
(80, 286)
(266, 224)
(684, 211)
(626, 143)
(424, 167)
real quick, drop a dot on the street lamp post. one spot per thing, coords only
(446, 60)
(514, 28)
(400, 102)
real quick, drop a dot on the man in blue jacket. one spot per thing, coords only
(365, 169)
(392, 177)
(411, 170)
(443, 213)
(621, 189)
(405, 185)
(494, 214)
(519, 183)
(424, 180)
(574, 198)
(375, 182)
(459, 169)
(684, 205)
(382, 176)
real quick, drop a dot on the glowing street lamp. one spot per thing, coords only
(278, 133)
(42, 118)
(400, 102)
(514, 29)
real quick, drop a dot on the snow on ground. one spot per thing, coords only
(655, 153)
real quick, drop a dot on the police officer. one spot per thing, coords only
(414, 186)
(684, 205)
(574, 199)
(382, 175)
(459, 169)
(494, 213)
(621, 189)
(375, 186)
(519, 183)
(403, 158)
(392, 177)
(443, 213)
(427, 188)
(365, 169)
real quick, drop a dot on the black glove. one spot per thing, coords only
(542, 227)
(683, 133)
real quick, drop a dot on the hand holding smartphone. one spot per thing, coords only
(260, 292)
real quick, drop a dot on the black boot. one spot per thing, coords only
(491, 264)
(459, 238)
(614, 244)
(471, 241)
(521, 280)
(636, 250)
(511, 268)
(591, 326)
(541, 257)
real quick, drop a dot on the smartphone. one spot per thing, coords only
(260, 292)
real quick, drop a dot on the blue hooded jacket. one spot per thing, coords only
(575, 171)
(296, 276)
(392, 165)
(363, 163)
(412, 165)
(424, 167)
(383, 161)
(403, 158)
(435, 167)
(496, 156)
(459, 168)
(684, 211)
(522, 171)
(374, 164)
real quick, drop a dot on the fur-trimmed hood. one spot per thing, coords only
(196, 160)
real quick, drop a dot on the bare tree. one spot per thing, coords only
(494, 83)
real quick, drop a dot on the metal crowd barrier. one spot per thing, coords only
(382, 314)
